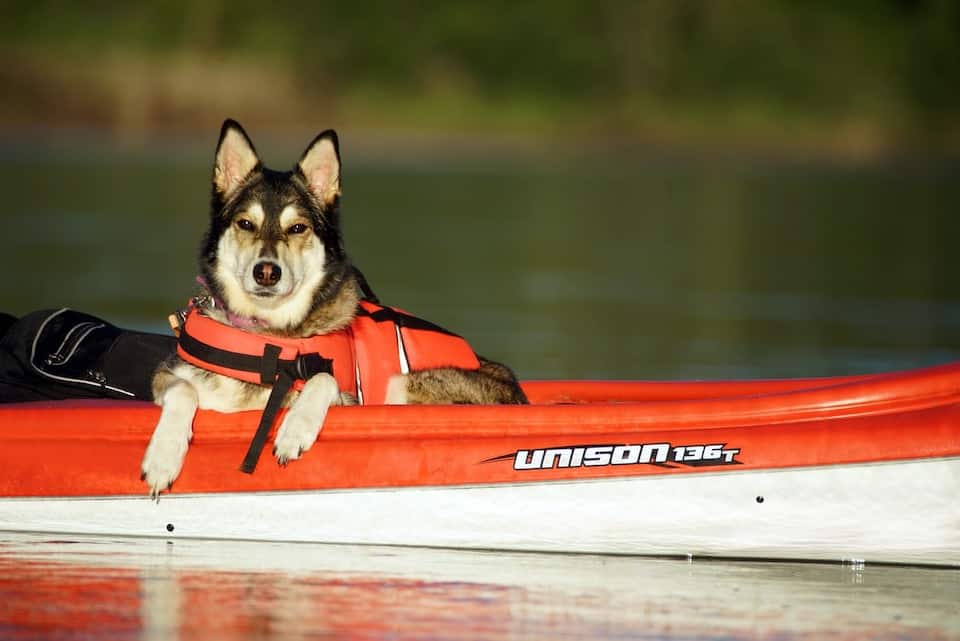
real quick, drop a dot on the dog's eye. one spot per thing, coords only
(245, 225)
(299, 228)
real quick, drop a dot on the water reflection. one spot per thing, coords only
(151, 589)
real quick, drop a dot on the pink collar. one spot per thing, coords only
(236, 320)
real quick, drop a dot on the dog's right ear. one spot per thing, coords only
(235, 159)
(320, 166)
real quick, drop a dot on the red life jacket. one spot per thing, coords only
(379, 343)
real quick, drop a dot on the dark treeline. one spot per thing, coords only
(867, 72)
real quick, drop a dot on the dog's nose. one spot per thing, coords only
(266, 274)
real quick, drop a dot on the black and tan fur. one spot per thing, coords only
(274, 252)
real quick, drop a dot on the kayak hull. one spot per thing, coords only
(855, 468)
(886, 512)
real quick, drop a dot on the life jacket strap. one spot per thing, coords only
(402, 319)
(282, 374)
(280, 388)
(267, 365)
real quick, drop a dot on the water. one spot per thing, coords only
(151, 589)
(563, 263)
(627, 264)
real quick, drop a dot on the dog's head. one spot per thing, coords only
(274, 244)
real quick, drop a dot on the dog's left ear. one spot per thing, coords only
(320, 166)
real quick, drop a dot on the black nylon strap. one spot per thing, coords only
(311, 364)
(280, 388)
(305, 365)
(268, 364)
(403, 320)
(223, 358)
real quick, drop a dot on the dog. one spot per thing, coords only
(273, 263)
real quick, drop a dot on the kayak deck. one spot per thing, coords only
(83, 448)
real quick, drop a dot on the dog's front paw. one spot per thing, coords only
(162, 463)
(295, 436)
(168, 446)
(302, 423)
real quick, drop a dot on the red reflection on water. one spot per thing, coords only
(101, 593)
(50, 600)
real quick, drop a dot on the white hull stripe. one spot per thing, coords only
(828, 513)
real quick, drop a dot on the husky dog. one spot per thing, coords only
(273, 262)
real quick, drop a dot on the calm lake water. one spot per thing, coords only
(566, 264)
(628, 264)
(151, 589)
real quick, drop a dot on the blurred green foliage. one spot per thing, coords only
(873, 72)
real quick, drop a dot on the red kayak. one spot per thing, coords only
(863, 467)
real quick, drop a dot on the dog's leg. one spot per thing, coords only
(302, 423)
(168, 445)
(492, 383)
